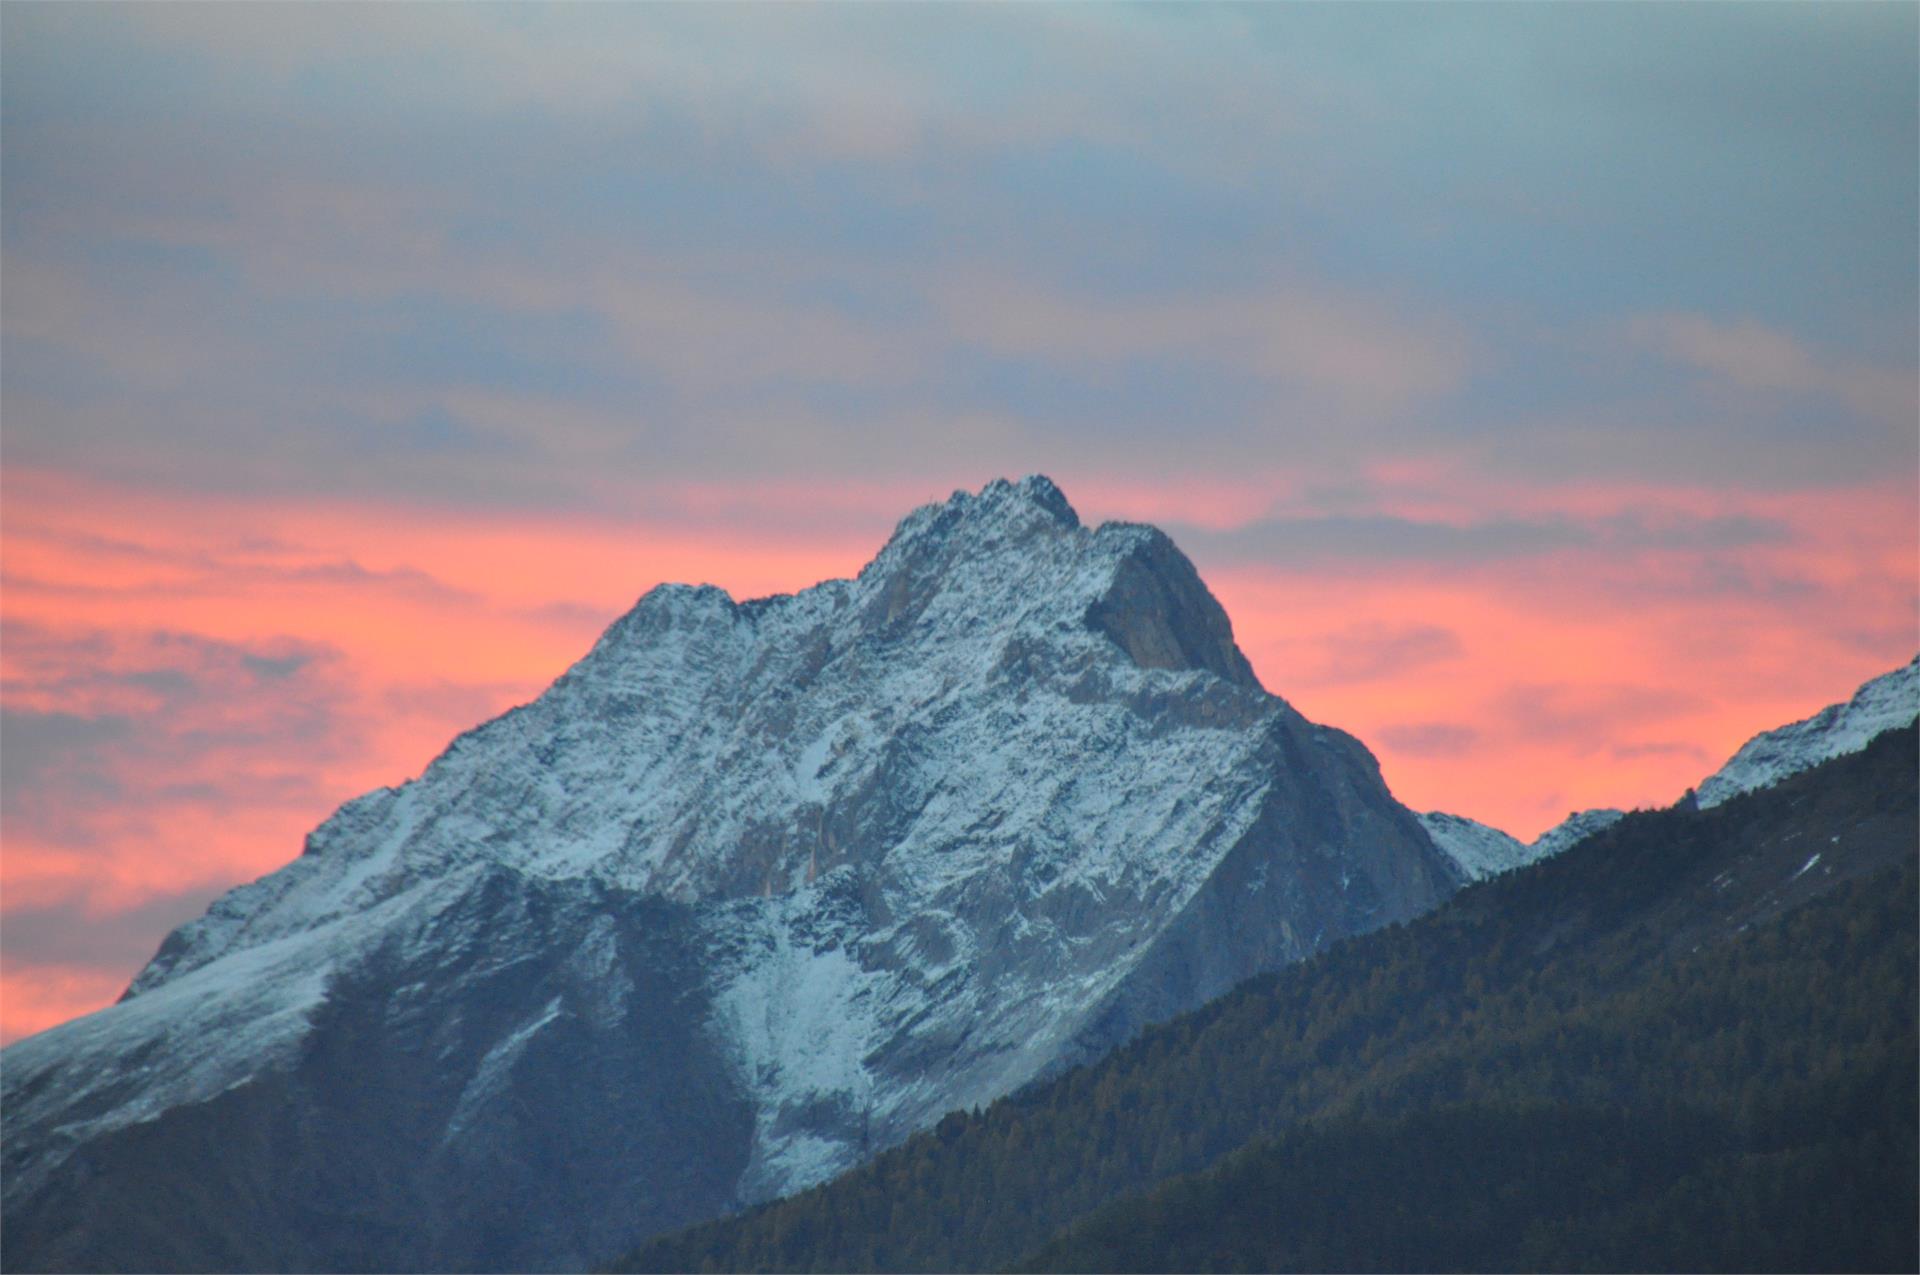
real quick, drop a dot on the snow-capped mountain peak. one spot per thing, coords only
(1481, 850)
(793, 877)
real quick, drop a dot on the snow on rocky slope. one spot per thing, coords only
(1483, 851)
(751, 892)
(1888, 701)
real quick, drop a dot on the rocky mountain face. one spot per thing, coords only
(753, 892)
(1888, 702)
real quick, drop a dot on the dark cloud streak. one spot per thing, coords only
(1387, 539)
(1429, 739)
(71, 934)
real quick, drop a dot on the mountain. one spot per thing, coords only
(752, 892)
(1687, 1043)
(1887, 702)
(1481, 850)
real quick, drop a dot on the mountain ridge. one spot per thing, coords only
(1885, 702)
(1882, 703)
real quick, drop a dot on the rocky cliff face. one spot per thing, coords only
(752, 892)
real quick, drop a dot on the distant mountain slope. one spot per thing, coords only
(1480, 849)
(1888, 701)
(753, 891)
(1484, 851)
(1572, 830)
(1612, 978)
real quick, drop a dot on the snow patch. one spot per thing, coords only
(796, 1012)
(489, 1079)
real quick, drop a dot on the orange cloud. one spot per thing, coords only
(48, 995)
(1581, 677)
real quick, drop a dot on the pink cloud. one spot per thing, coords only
(39, 997)
(1611, 674)
(1365, 353)
(1752, 356)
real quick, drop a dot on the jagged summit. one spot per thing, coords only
(1032, 501)
(1153, 606)
(1014, 555)
(999, 513)
(753, 891)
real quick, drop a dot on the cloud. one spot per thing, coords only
(1384, 538)
(594, 244)
(65, 562)
(1430, 739)
(1366, 355)
(1588, 717)
(38, 997)
(68, 934)
(1367, 652)
(818, 86)
(40, 747)
(1752, 356)
(1669, 748)
(1387, 540)
(114, 737)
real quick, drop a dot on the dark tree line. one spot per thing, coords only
(1725, 1151)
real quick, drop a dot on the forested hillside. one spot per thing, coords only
(1761, 1117)
(1662, 977)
